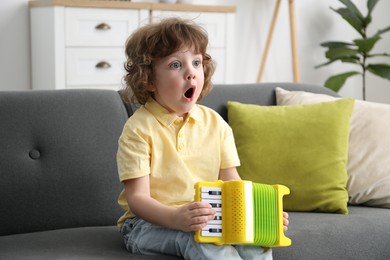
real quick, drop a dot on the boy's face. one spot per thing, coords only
(178, 80)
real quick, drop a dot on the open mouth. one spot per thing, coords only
(189, 93)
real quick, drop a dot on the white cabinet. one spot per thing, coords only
(83, 46)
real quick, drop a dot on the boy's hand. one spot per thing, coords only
(285, 221)
(193, 216)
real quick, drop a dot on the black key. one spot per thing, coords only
(215, 230)
(216, 205)
(211, 192)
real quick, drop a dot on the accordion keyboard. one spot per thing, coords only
(213, 196)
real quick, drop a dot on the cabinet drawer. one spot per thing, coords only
(99, 27)
(94, 66)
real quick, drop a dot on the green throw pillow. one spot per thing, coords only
(304, 147)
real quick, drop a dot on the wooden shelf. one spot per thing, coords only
(134, 5)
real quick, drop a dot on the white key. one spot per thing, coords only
(217, 219)
(215, 204)
(210, 192)
(212, 231)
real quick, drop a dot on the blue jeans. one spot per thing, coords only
(144, 238)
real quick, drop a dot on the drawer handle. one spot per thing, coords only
(103, 65)
(103, 27)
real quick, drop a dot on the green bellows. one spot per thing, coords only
(265, 204)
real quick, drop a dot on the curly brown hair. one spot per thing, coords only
(158, 40)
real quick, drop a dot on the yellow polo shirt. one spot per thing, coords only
(175, 153)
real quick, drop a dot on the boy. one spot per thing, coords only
(170, 143)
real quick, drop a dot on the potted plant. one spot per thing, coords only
(359, 51)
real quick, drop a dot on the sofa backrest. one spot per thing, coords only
(260, 94)
(58, 147)
(57, 159)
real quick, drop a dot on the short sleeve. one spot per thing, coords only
(133, 156)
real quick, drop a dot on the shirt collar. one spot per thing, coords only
(166, 118)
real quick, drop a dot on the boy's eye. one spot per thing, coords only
(197, 63)
(175, 65)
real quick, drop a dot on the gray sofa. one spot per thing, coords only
(59, 185)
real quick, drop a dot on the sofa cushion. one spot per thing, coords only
(362, 234)
(303, 147)
(369, 147)
(314, 235)
(72, 243)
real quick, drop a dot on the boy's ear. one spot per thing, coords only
(150, 87)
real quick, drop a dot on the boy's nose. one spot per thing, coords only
(190, 76)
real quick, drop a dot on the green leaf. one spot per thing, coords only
(367, 20)
(353, 60)
(370, 5)
(341, 53)
(334, 44)
(336, 82)
(379, 32)
(352, 7)
(357, 23)
(366, 45)
(324, 64)
(380, 69)
(385, 54)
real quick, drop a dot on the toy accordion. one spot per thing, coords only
(246, 213)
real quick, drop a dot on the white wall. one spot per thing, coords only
(315, 23)
(14, 45)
